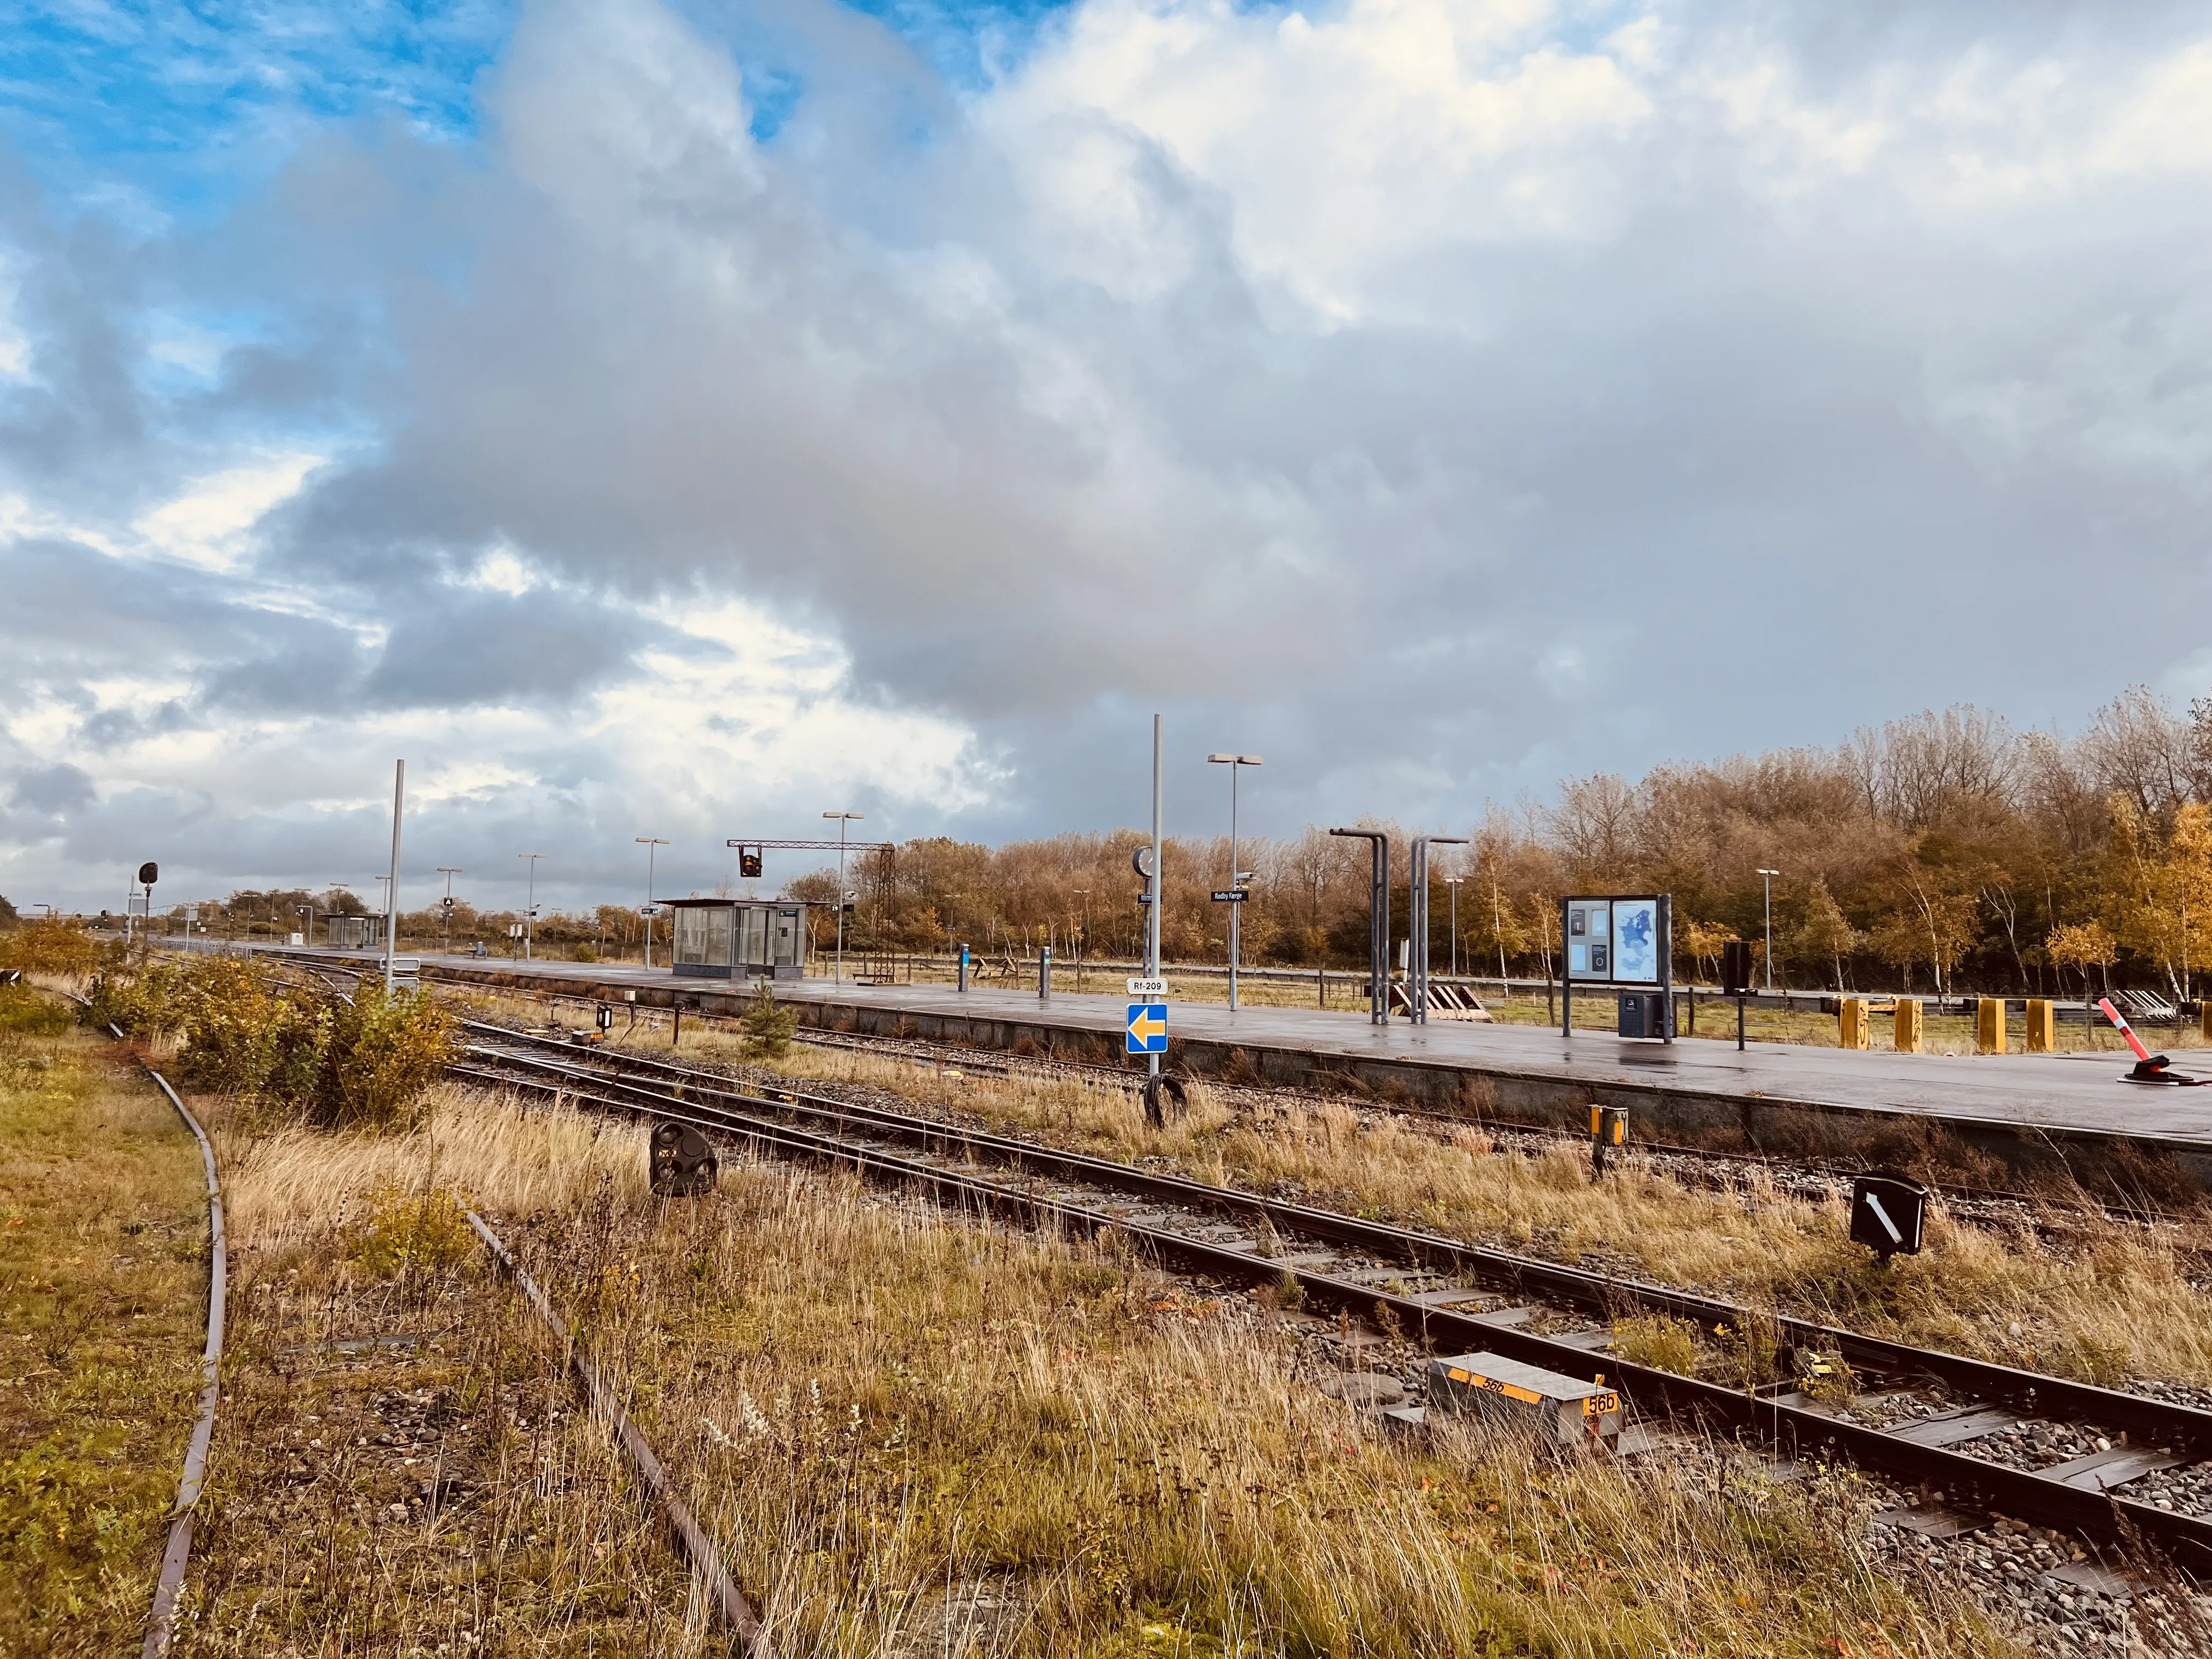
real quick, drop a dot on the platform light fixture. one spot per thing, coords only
(652, 844)
(844, 820)
(1770, 875)
(530, 904)
(1236, 882)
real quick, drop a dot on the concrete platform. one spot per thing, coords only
(2061, 1115)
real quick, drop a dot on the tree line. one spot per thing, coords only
(1947, 851)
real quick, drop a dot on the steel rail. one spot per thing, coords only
(699, 1550)
(1603, 1294)
(1795, 1430)
(161, 1628)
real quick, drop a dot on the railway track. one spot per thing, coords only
(1452, 1296)
(2052, 1213)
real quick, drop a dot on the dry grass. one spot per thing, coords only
(2115, 1299)
(911, 1438)
(922, 1438)
(103, 1277)
(400, 1466)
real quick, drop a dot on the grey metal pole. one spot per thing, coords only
(1769, 876)
(392, 887)
(1566, 978)
(1152, 881)
(1235, 908)
(1378, 922)
(1417, 955)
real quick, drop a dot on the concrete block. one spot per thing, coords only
(1990, 1025)
(1851, 1022)
(1908, 1025)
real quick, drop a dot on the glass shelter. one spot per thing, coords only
(739, 939)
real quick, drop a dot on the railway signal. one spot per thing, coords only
(683, 1164)
(1888, 1213)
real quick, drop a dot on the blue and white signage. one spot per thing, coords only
(1147, 1032)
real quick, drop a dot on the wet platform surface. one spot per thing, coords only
(2077, 1092)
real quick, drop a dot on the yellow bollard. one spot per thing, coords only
(2205, 1019)
(2042, 1027)
(1851, 1022)
(1908, 1025)
(1990, 1025)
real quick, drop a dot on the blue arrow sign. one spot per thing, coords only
(1148, 1029)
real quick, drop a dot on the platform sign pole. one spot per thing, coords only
(1666, 968)
(1566, 978)
(392, 887)
(1152, 886)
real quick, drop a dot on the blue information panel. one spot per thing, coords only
(1148, 1028)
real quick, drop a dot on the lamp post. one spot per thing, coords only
(530, 904)
(446, 927)
(844, 820)
(1453, 882)
(1235, 882)
(1083, 940)
(652, 844)
(1770, 875)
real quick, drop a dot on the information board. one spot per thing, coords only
(1617, 940)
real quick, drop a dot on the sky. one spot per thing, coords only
(684, 419)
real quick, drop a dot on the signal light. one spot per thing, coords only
(683, 1164)
(749, 863)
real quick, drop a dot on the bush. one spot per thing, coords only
(51, 945)
(362, 1063)
(768, 1028)
(1662, 1343)
(26, 1013)
(384, 1051)
(410, 1230)
(585, 953)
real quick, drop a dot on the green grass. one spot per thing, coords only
(103, 1276)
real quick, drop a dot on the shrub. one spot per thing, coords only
(140, 1003)
(51, 945)
(1662, 1343)
(768, 1028)
(26, 1013)
(585, 953)
(384, 1050)
(406, 1230)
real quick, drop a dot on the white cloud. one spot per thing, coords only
(210, 523)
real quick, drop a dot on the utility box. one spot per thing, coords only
(683, 1164)
(1644, 1014)
(1908, 1025)
(1990, 1025)
(1888, 1213)
(1553, 1409)
(1851, 1028)
(2042, 1027)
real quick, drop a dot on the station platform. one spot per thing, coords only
(1695, 1092)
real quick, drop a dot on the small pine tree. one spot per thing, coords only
(768, 1028)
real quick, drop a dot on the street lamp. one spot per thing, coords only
(530, 904)
(445, 929)
(1236, 884)
(1453, 882)
(652, 844)
(1083, 940)
(1770, 875)
(844, 820)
